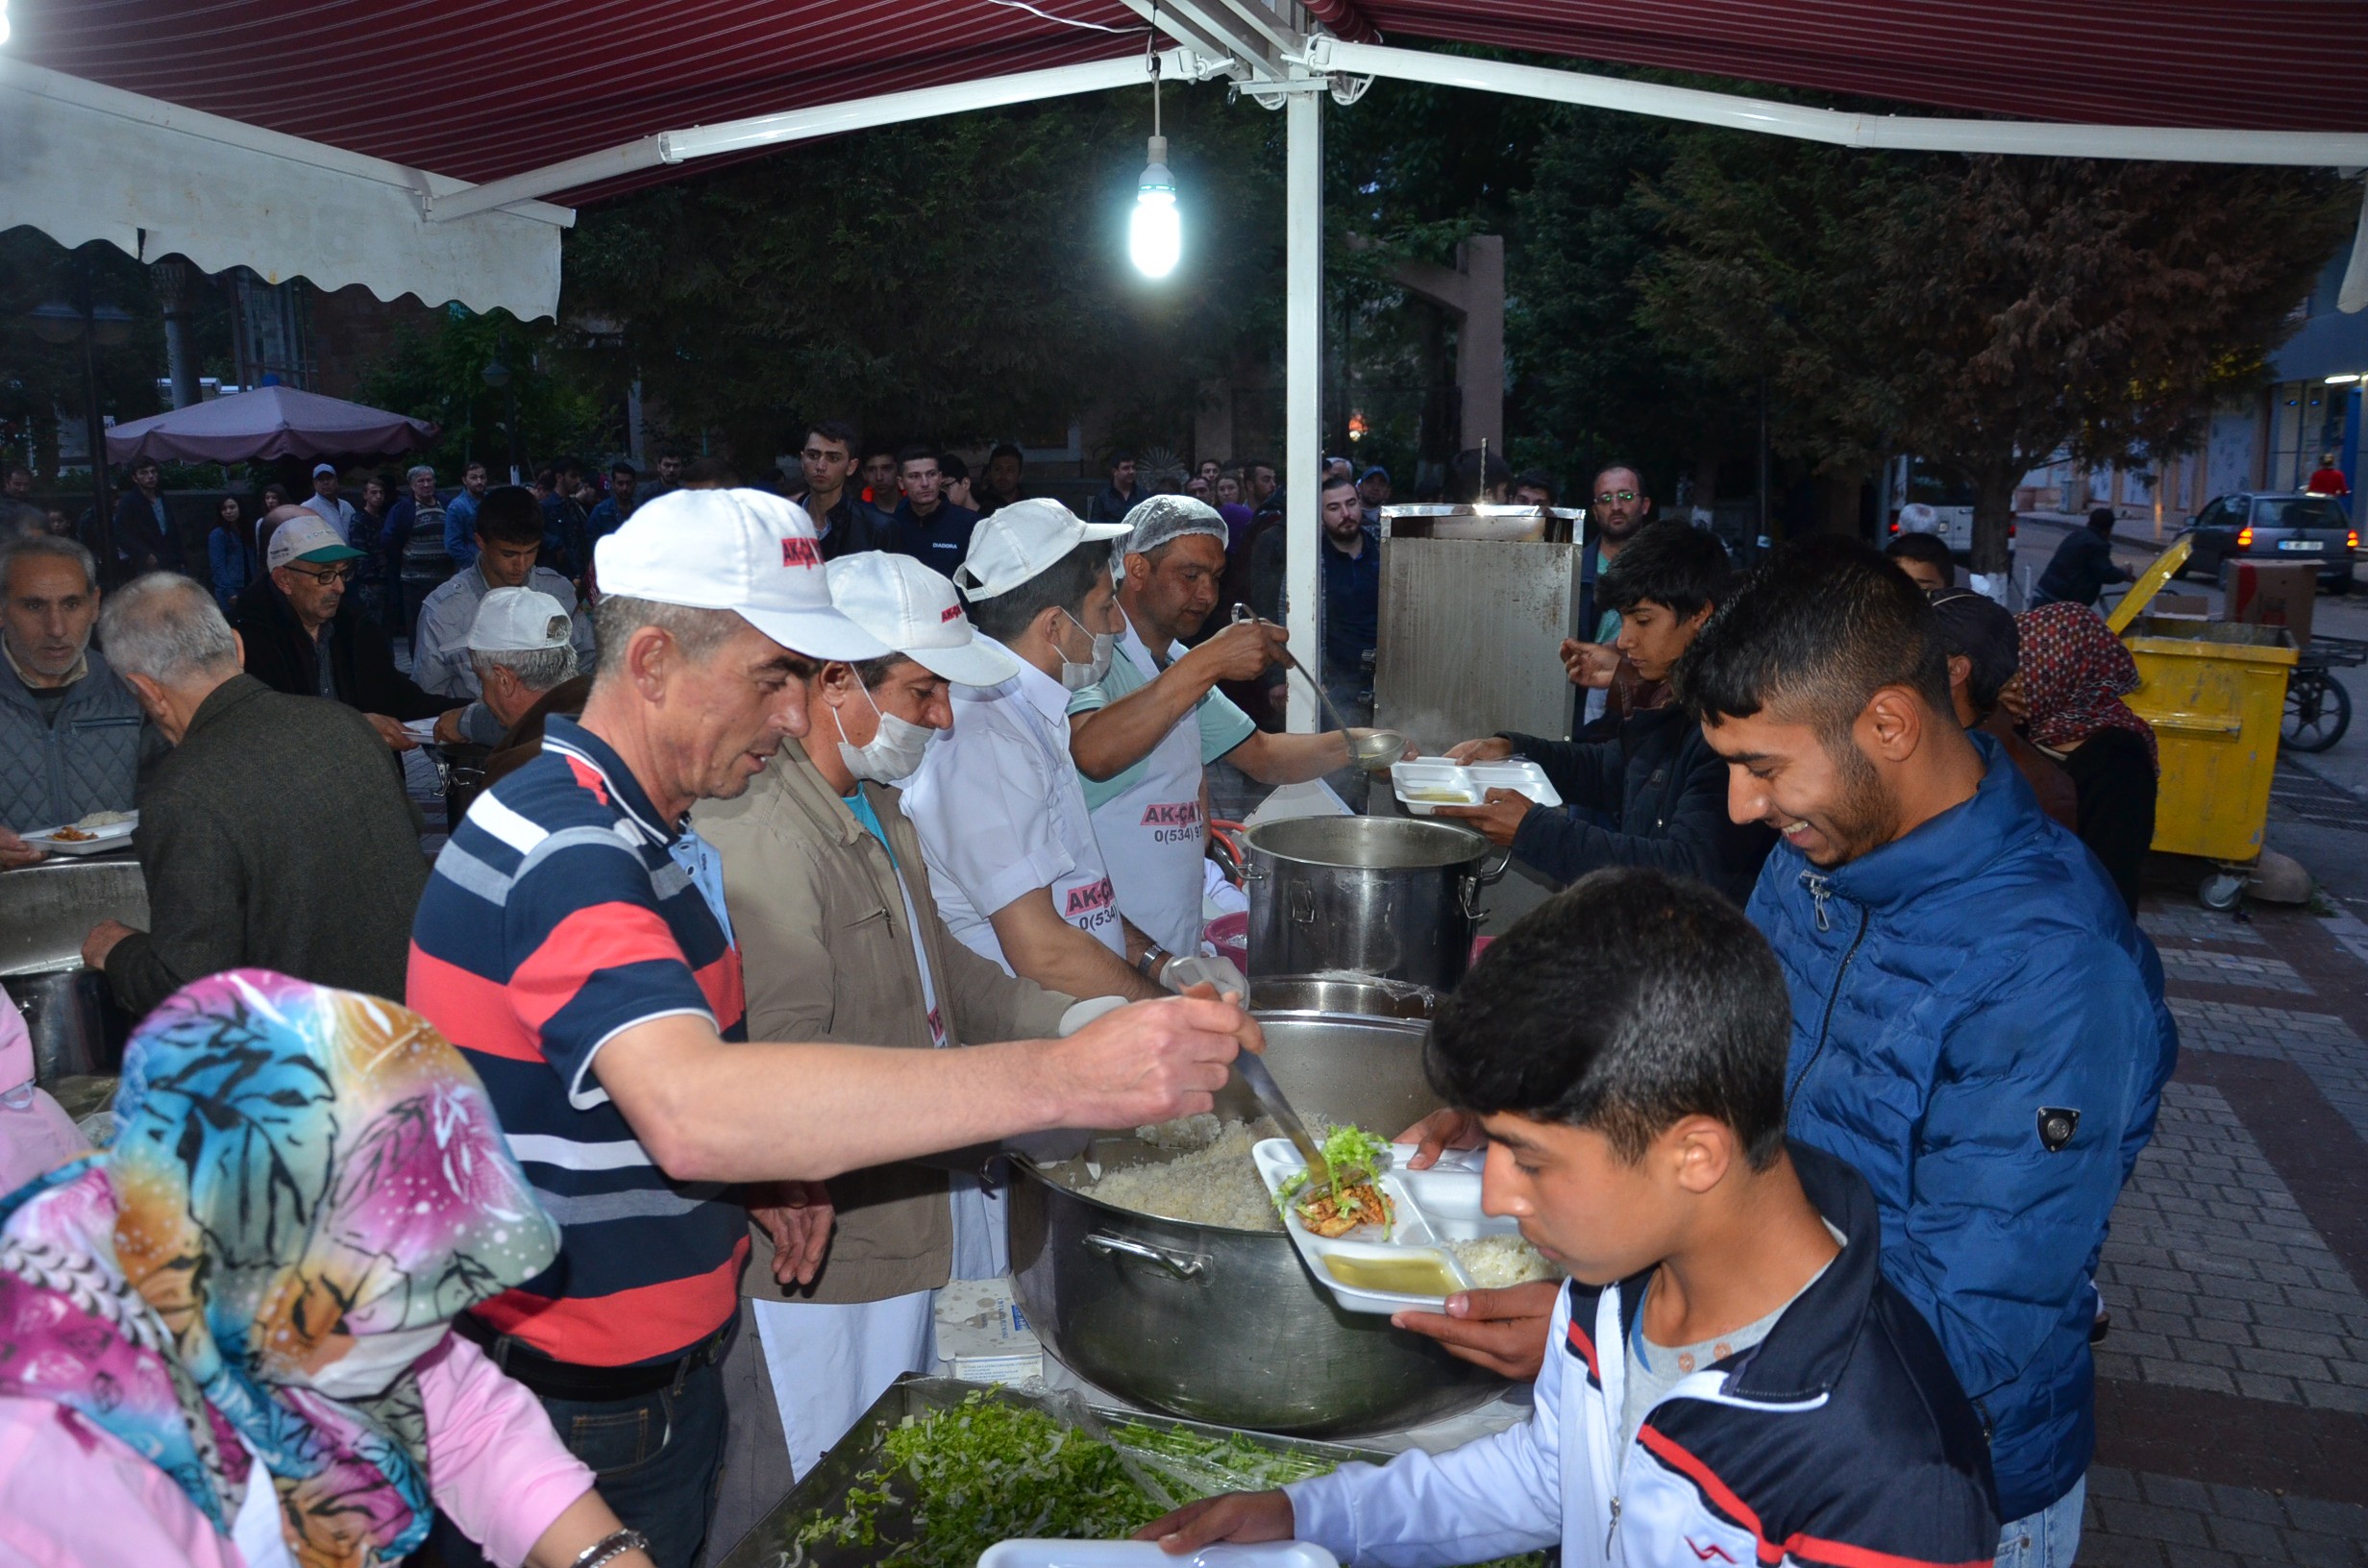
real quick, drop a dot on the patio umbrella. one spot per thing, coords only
(268, 422)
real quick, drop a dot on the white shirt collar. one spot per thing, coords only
(1031, 685)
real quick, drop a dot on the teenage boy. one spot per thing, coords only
(1926, 559)
(1653, 793)
(1729, 1375)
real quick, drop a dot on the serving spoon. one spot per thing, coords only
(1376, 750)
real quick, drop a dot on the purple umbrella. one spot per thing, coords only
(268, 422)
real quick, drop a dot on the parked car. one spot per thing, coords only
(2283, 525)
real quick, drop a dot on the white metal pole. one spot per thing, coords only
(1303, 390)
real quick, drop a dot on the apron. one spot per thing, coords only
(1083, 895)
(1152, 832)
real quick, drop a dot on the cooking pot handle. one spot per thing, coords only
(1468, 892)
(1184, 1265)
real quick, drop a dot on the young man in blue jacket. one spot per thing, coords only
(1653, 793)
(1730, 1378)
(1979, 1026)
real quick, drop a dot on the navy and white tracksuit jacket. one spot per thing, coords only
(1842, 1440)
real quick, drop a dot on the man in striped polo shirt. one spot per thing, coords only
(563, 950)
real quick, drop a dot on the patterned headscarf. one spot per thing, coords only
(2073, 673)
(292, 1165)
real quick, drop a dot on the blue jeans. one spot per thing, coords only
(656, 1459)
(2049, 1538)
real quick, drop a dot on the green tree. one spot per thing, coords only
(1982, 313)
(949, 280)
(439, 376)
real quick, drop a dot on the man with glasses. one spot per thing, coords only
(825, 463)
(306, 636)
(1619, 510)
(510, 543)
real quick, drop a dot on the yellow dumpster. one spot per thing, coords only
(2215, 694)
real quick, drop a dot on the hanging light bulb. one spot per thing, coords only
(1155, 233)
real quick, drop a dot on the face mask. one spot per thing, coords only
(1076, 677)
(890, 757)
(376, 1361)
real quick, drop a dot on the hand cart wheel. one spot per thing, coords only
(2318, 710)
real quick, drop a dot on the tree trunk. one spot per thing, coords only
(1994, 511)
(1838, 503)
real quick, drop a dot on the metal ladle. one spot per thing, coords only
(1377, 750)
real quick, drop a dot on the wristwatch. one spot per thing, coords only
(1153, 956)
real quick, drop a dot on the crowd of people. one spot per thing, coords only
(814, 839)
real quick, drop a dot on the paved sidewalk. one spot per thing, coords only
(2233, 1393)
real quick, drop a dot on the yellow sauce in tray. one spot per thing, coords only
(1440, 798)
(1417, 1274)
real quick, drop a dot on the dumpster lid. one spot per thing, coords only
(2149, 583)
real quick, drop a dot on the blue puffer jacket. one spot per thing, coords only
(1947, 990)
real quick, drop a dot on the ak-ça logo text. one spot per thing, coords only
(1173, 821)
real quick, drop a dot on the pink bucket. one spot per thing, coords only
(1229, 935)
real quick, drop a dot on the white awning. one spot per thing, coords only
(83, 161)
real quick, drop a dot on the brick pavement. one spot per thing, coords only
(2233, 1393)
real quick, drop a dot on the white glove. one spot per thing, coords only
(1081, 1014)
(1194, 969)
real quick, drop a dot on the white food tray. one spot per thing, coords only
(1409, 1233)
(1147, 1555)
(1468, 784)
(113, 836)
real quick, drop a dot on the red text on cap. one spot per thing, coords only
(800, 552)
(951, 612)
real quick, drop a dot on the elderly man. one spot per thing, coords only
(1003, 819)
(414, 531)
(304, 635)
(525, 666)
(319, 882)
(509, 540)
(1142, 736)
(71, 736)
(602, 1002)
(813, 855)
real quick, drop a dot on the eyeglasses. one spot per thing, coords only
(1606, 498)
(327, 574)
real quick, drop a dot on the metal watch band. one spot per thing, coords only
(613, 1545)
(1148, 965)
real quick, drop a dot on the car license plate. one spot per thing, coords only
(2301, 544)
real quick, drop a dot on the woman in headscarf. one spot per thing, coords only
(2068, 697)
(225, 1339)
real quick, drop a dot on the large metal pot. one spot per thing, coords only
(45, 912)
(1395, 896)
(1223, 1325)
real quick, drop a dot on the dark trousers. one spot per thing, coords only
(2115, 781)
(656, 1458)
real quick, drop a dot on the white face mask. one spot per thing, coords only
(890, 756)
(1076, 677)
(376, 1361)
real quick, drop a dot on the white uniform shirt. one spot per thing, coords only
(999, 813)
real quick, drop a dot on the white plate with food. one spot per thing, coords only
(94, 834)
(1368, 1241)
(1044, 1553)
(1427, 783)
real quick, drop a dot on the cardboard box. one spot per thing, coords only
(2270, 594)
(983, 1337)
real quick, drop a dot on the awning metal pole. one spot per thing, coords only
(1303, 389)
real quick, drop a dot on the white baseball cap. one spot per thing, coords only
(748, 551)
(319, 469)
(1021, 542)
(518, 619)
(914, 611)
(307, 537)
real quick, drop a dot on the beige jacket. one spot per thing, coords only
(826, 956)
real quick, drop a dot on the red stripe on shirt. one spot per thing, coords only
(1670, 1452)
(1586, 1347)
(1843, 1555)
(628, 1326)
(589, 778)
(594, 938)
(721, 984)
(467, 1009)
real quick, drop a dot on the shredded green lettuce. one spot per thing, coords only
(1354, 1155)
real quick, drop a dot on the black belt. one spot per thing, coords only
(553, 1379)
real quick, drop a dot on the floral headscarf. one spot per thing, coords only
(2075, 673)
(291, 1165)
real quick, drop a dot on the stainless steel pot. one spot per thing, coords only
(45, 912)
(1216, 1324)
(1362, 995)
(77, 1028)
(1395, 896)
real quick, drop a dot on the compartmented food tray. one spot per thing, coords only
(1376, 1268)
(100, 840)
(1149, 1555)
(1425, 784)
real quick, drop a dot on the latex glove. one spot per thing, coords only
(1190, 970)
(1081, 1014)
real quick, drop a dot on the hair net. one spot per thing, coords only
(1163, 519)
